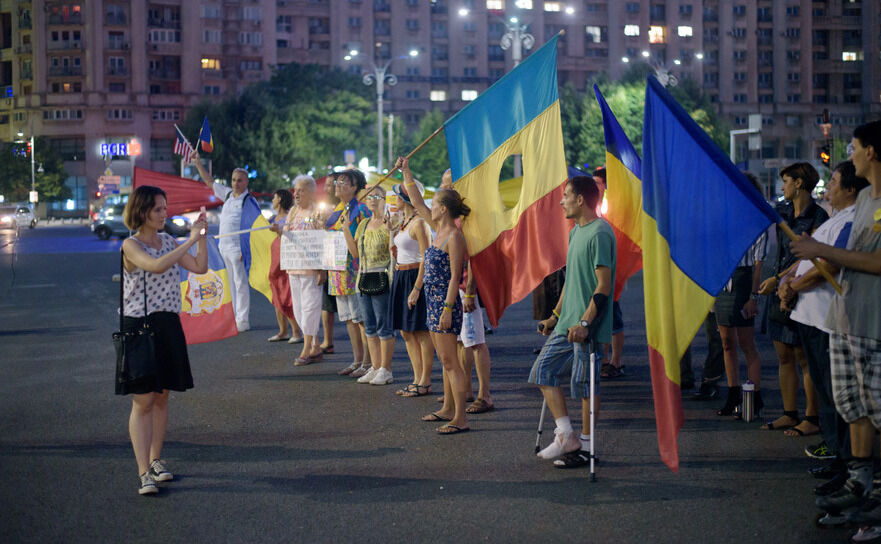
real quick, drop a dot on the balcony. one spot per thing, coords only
(115, 19)
(24, 49)
(26, 74)
(63, 45)
(117, 71)
(61, 71)
(382, 7)
(70, 19)
(163, 23)
(165, 74)
(118, 45)
(24, 23)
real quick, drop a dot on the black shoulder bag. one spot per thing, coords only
(135, 353)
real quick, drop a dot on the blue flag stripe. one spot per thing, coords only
(486, 123)
(617, 142)
(704, 207)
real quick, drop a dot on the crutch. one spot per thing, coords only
(541, 421)
(593, 349)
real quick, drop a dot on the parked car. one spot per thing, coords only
(13, 217)
(108, 222)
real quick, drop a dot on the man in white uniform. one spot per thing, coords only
(230, 246)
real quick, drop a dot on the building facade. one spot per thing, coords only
(91, 73)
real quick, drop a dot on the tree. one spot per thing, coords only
(15, 171)
(432, 160)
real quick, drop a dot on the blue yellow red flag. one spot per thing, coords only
(206, 139)
(623, 196)
(206, 310)
(256, 247)
(518, 115)
(700, 215)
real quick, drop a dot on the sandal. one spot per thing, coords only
(769, 426)
(420, 391)
(573, 459)
(278, 338)
(301, 361)
(480, 406)
(409, 389)
(434, 416)
(315, 358)
(327, 349)
(609, 370)
(795, 431)
(452, 429)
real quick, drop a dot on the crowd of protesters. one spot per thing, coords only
(410, 272)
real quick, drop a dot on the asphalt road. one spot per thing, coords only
(265, 452)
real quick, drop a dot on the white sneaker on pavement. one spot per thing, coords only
(383, 376)
(147, 485)
(564, 442)
(368, 376)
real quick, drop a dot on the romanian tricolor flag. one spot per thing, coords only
(256, 246)
(623, 195)
(206, 310)
(700, 214)
(512, 249)
(206, 140)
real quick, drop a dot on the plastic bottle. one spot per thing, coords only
(468, 332)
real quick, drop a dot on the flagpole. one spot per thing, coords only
(819, 265)
(395, 169)
(243, 231)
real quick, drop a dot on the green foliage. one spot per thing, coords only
(299, 121)
(15, 172)
(583, 122)
(429, 164)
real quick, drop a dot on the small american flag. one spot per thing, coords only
(182, 147)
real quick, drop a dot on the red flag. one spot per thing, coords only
(184, 195)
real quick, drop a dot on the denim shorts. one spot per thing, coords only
(375, 311)
(557, 358)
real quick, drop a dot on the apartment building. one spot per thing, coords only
(91, 73)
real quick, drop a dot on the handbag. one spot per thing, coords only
(371, 283)
(135, 351)
(777, 315)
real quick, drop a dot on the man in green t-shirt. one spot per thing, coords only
(582, 316)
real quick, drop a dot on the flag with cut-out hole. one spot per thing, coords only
(512, 249)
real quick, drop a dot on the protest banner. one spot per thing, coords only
(313, 250)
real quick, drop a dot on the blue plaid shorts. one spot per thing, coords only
(856, 377)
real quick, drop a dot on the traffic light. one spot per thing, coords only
(825, 155)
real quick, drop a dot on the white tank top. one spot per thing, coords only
(408, 248)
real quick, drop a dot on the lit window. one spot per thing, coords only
(495, 5)
(684, 31)
(848, 56)
(656, 34)
(594, 34)
(468, 95)
(211, 64)
(631, 30)
(438, 96)
(553, 6)
(523, 4)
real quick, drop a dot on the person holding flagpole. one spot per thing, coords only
(582, 315)
(230, 246)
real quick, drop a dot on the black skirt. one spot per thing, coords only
(730, 303)
(172, 361)
(404, 318)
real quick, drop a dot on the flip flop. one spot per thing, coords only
(434, 416)
(328, 349)
(315, 358)
(440, 399)
(452, 429)
(277, 338)
(479, 406)
(293, 340)
(409, 389)
(573, 459)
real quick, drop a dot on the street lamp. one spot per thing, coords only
(32, 195)
(381, 77)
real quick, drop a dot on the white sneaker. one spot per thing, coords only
(382, 377)
(159, 471)
(242, 326)
(564, 442)
(368, 376)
